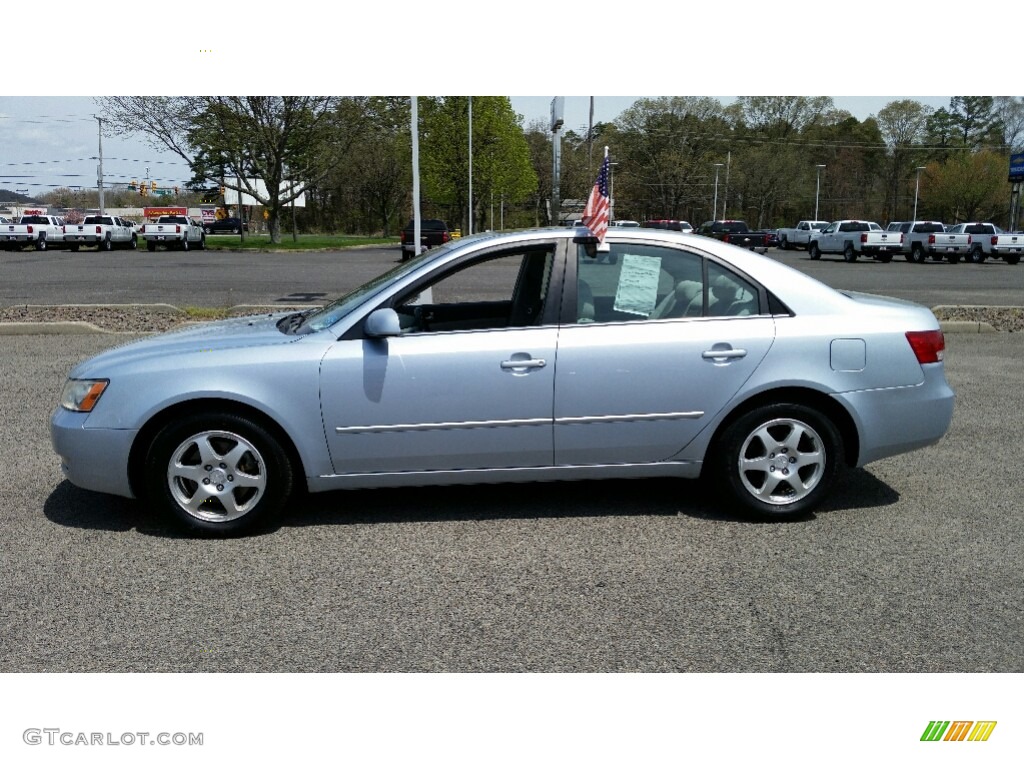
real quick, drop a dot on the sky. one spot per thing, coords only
(48, 142)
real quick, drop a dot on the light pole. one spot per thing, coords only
(714, 206)
(817, 193)
(917, 188)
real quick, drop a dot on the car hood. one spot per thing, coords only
(201, 338)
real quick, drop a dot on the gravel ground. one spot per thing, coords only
(141, 319)
(121, 319)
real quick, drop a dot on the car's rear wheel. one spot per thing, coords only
(41, 243)
(977, 256)
(778, 461)
(218, 473)
(814, 251)
(184, 243)
(848, 253)
(106, 245)
(784, 243)
(917, 254)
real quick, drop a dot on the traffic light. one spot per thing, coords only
(133, 185)
(152, 185)
(144, 190)
(175, 190)
(223, 190)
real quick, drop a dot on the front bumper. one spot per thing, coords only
(94, 459)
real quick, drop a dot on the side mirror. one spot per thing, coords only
(382, 323)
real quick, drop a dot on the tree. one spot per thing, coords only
(969, 186)
(1010, 112)
(235, 139)
(501, 156)
(903, 125)
(976, 121)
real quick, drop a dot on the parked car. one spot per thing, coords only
(982, 239)
(105, 232)
(39, 231)
(179, 232)
(514, 357)
(676, 225)
(231, 224)
(924, 238)
(853, 238)
(625, 223)
(799, 236)
(433, 232)
(1008, 246)
(736, 232)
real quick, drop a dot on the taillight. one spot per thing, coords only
(30, 229)
(177, 228)
(445, 237)
(928, 346)
(995, 239)
(401, 237)
(863, 237)
(726, 238)
(931, 239)
(97, 229)
(901, 238)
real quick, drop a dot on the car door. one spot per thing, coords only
(828, 239)
(467, 386)
(661, 341)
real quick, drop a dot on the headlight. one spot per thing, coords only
(82, 394)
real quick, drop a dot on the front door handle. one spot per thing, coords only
(511, 365)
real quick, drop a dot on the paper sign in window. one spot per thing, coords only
(637, 293)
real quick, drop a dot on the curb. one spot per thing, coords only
(966, 326)
(68, 327)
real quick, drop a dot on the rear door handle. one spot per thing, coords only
(724, 354)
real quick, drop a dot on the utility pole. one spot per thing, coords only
(99, 169)
(470, 165)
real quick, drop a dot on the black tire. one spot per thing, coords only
(768, 493)
(150, 246)
(977, 256)
(73, 248)
(106, 245)
(1015, 259)
(41, 244)
(917, 255)
(133, 244)
(936, 257)
(244, 491)
(234, 231)
(784, 243)
(184, 243)
(207, 231)
(202, 242)
(849, 254)
(814, 251)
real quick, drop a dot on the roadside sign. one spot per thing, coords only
(1017, 167)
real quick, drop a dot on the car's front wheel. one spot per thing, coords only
(814, 251)
(778, 461)
(218, 473)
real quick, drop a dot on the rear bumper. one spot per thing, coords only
(897, 420)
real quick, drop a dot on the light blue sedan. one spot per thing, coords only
(514, 357)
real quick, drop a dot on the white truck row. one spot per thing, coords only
(916, 240)
(102, 232)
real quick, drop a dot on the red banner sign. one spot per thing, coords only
(152, 213)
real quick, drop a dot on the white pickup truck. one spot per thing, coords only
(853, 238)
(105, 232)
(1008, 246)
(41, 232)
(924, 238)
(174, 232)
(800, 235)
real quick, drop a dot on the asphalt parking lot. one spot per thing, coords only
(914, 566)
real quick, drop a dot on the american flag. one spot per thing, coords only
(595, 215)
